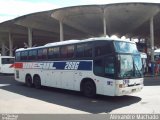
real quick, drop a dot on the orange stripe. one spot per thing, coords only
(18, 65)
(12, 65)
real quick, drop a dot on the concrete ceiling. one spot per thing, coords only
(129, 19)
(44, 21)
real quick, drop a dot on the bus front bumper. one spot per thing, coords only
(128, 90)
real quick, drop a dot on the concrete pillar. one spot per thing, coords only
(152, 45)
(104, 23)
(152, 38)
(61, 31)
(10, 45)
(3, 52)
(29, 37)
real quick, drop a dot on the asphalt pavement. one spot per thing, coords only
(15, 97)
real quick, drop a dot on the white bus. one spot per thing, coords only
(92, 66)
(6, 65)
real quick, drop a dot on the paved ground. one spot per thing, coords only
(17, 98)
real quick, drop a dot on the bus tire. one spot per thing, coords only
(37, 82)
(28, 80)
(89, 88)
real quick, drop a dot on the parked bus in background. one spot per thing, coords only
(6, 65)
(92, 66)
(157, 61)
(144, 62)
(157, 55)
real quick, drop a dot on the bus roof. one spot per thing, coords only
(6, 56)
(157, 51)
(67, 42)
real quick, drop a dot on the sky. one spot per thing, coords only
(10, 9)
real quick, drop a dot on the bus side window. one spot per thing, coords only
(44, 53)
(17, 56)
(53, 53)
(32, 55)
(63, 52)
(50, 53)
(99, 67)
(70, 51)
(88, 50)
(24, 55)
(80, 51)
(109, 66)
(39, 56)
(56, 52)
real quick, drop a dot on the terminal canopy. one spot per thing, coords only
(122, 19)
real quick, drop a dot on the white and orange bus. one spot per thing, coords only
(92, 66)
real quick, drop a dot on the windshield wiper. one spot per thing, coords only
(136, 69)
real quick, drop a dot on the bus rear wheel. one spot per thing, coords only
(28, 81)
(37, 82)
(89, 89)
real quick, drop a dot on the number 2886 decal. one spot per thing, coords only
(71, 65)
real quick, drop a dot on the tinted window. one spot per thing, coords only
(40, 51)
(104, 48)
(80, 50)
(63, 52)
(84, 50)
(24, 55)
(42, 54)
(109, 67)
(99, 67)
(18, 56)
(53, 53)
(32, 54)
(50, 53)
(70, 50)
(105, 67)
(67, 51)
(88, 50)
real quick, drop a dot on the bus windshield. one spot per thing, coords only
(130, 66)
(125, 47)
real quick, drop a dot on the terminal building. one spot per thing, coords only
(132, 20)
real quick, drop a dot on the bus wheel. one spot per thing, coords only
(28, 81)
(37, 82)
(89, 88)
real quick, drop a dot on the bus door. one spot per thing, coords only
(104, 69)
(109, 73)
